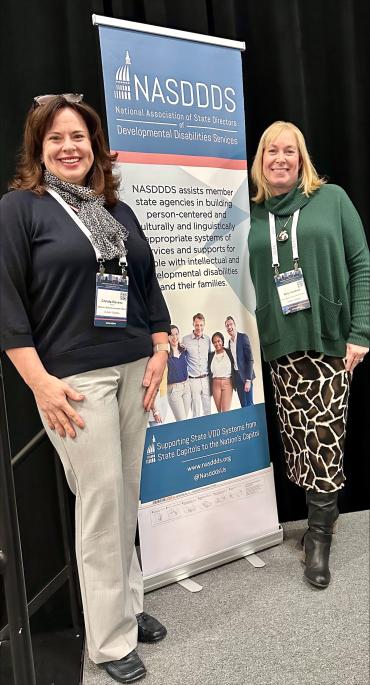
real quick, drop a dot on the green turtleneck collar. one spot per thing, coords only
(286, 204)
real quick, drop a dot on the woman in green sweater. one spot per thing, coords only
(310, 266)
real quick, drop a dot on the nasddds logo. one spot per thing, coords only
(150, 452)
(171, 91)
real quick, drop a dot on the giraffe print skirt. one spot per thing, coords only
(311, 395)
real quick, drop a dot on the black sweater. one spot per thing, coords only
(47, 288)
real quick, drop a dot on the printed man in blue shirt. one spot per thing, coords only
(198, 346)
(241, 351)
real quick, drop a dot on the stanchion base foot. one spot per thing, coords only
(255, 560)
(190, 585)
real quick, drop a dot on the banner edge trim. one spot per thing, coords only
(99, 20)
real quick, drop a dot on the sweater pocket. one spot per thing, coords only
(329, 318)
(268, 329)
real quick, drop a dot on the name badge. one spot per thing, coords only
(111, 300)
(292, 291)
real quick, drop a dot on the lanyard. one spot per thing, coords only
(84, 229)
(274, 250)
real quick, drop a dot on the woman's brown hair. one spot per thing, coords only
(181, 347)
(29, 172)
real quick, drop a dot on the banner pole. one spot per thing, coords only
(11, 563)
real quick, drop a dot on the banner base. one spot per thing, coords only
(205, 564)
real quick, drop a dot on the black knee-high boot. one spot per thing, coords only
(322, 514)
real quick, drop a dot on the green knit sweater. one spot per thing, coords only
(334, 257)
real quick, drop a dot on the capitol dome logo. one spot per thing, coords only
(150, 452)
(123, 88)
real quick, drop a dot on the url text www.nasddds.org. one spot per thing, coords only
(211, 462)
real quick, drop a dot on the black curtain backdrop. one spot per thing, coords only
(307, 62)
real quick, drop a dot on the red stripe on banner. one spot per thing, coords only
(180, 160)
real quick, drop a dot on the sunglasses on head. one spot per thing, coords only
(73, 98)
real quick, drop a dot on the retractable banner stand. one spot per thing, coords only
(175, 114)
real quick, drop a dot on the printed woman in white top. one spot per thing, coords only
(221, 373)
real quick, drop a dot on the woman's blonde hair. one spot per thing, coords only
(310, 180)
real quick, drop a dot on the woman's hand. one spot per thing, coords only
(153, 376)
(52, 396)
(354, 355)
(50, 393)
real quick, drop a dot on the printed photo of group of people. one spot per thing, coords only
(200, 368)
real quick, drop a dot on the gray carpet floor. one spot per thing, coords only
(266, 626)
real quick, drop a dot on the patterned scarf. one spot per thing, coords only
(107, 234)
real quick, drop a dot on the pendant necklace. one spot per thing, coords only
(283, 234)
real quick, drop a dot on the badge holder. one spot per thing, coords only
(111, 294)
(290, 285)
(111, 297)
(292, 290)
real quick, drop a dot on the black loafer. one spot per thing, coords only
(126, 670)
(149, 629)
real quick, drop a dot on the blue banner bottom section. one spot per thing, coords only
(182, 456)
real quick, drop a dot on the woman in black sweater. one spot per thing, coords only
(84, 321)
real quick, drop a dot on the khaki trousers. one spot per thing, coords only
(103, 468)
(200, 396)
(179, 399)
